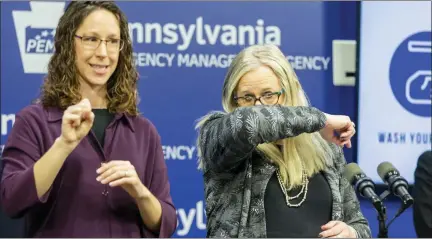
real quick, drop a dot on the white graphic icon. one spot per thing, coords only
(419, 47)
(42, 19)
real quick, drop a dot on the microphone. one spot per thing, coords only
(363, 184)
(396, 183)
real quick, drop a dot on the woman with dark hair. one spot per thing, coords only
(81, 161)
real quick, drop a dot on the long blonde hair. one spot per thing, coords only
(310, 149)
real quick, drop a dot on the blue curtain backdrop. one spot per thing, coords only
(182, 51)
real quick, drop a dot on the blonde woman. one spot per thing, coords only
(272, 164)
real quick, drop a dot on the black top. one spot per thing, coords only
(304, 221)
(422, 194)
(102, 119)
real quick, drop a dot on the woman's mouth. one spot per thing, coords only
(99, 69)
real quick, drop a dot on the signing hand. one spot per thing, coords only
(122, 173)
(77, 122)
(337, 229)
(342, 126)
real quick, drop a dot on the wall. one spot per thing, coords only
(174, 97)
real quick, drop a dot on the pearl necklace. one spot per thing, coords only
(304, 188)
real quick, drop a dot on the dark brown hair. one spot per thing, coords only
(61, 86)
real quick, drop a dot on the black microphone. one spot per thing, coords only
(396, 183)
(363, 184)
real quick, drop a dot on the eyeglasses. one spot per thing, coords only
(92, 43)
(266, 99)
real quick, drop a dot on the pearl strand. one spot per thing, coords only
(305, 182)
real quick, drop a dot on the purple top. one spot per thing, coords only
(77, 205)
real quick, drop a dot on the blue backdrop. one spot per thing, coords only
(182, 51)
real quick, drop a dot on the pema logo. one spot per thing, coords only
(410, 74)
(35, 30)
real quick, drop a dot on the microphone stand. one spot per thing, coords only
(382, 214)
(382, 217)
(383, 231)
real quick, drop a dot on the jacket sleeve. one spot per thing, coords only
(226, 139)
(422, 193)
(22, 150)
(351, 205)
(160, 188)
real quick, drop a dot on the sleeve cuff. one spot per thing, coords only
(353, 232)
(168, 222)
